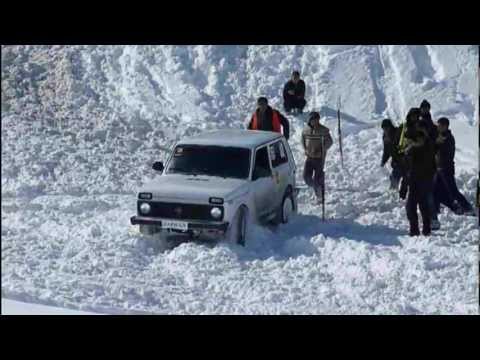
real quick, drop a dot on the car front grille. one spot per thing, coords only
(180, 211)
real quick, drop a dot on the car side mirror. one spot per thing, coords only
(157, 166)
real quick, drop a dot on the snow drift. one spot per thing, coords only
(81, 126)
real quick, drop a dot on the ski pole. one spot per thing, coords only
(323, 178)
(340, 130)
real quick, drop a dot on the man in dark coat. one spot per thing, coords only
(294, 94)
(420, 153)
(391, 138)
(267, 119)
(427, 117)
(446, 190)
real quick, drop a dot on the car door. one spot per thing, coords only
(263, 183)
(281, 169)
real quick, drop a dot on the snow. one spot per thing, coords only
(12, 307)
(81, 126)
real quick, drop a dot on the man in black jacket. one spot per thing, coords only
(446, 191)
(391, 138)
(294, 94)
(420, 152)
(427, 117)
(267, 119)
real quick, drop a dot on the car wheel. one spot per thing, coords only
(287, 210)
(237, 230)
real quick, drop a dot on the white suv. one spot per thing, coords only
(215, 182)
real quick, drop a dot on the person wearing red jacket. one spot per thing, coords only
(268, 119)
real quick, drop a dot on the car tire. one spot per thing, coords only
(287, 209)
(238, 229)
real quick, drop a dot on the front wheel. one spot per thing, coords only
(287, 209)
(237, 231)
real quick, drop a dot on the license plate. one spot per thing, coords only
(176, 225)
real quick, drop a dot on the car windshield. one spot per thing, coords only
(227, 162)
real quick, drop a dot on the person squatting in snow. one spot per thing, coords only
(268, 119)
(294, 94)
(316, 140)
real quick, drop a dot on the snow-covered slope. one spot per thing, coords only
(12, 307)
(82, 125)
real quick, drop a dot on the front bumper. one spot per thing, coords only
(192, 224)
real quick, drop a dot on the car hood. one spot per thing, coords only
(174, 187)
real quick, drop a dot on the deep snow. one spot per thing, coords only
(82, 125)
(12, 307)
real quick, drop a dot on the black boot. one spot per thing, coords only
(414, 231)
(426, 230)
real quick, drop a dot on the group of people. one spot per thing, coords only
(316, 138)
(422, 157)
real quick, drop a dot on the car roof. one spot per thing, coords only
(232, 137)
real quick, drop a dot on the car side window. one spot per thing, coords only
(262, 165)
(278, 154)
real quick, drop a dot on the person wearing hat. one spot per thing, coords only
(446, 190)
(268, 119)
(391, 137)
(294, 94)
(316, 140)
(420, 172)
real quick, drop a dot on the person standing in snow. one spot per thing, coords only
(420, 153)
(267, 119)
(406, 131)
(446, 190)
(427, 117)
(294, 94)
(316, 140)
(391, 135)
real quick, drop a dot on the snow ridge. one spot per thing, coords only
(81, 126)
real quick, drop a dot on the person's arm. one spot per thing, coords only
(249, 127)
(304, 144)
(285, 125)
(328, 140)
(285, 90)
(386, 153)
(450, 149)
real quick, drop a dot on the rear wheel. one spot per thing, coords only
(237, 231)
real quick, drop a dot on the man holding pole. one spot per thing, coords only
(316, 141)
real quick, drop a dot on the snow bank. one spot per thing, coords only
(81, 126)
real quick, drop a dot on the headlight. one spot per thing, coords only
(216, 213)
(145, 208)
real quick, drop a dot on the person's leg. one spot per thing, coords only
(308, 172)
(457, 195)
(445, 192)
(287, 104)
(319, 177)
(411, 208)
(301, 104)
(424, 197)
(395, 176)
